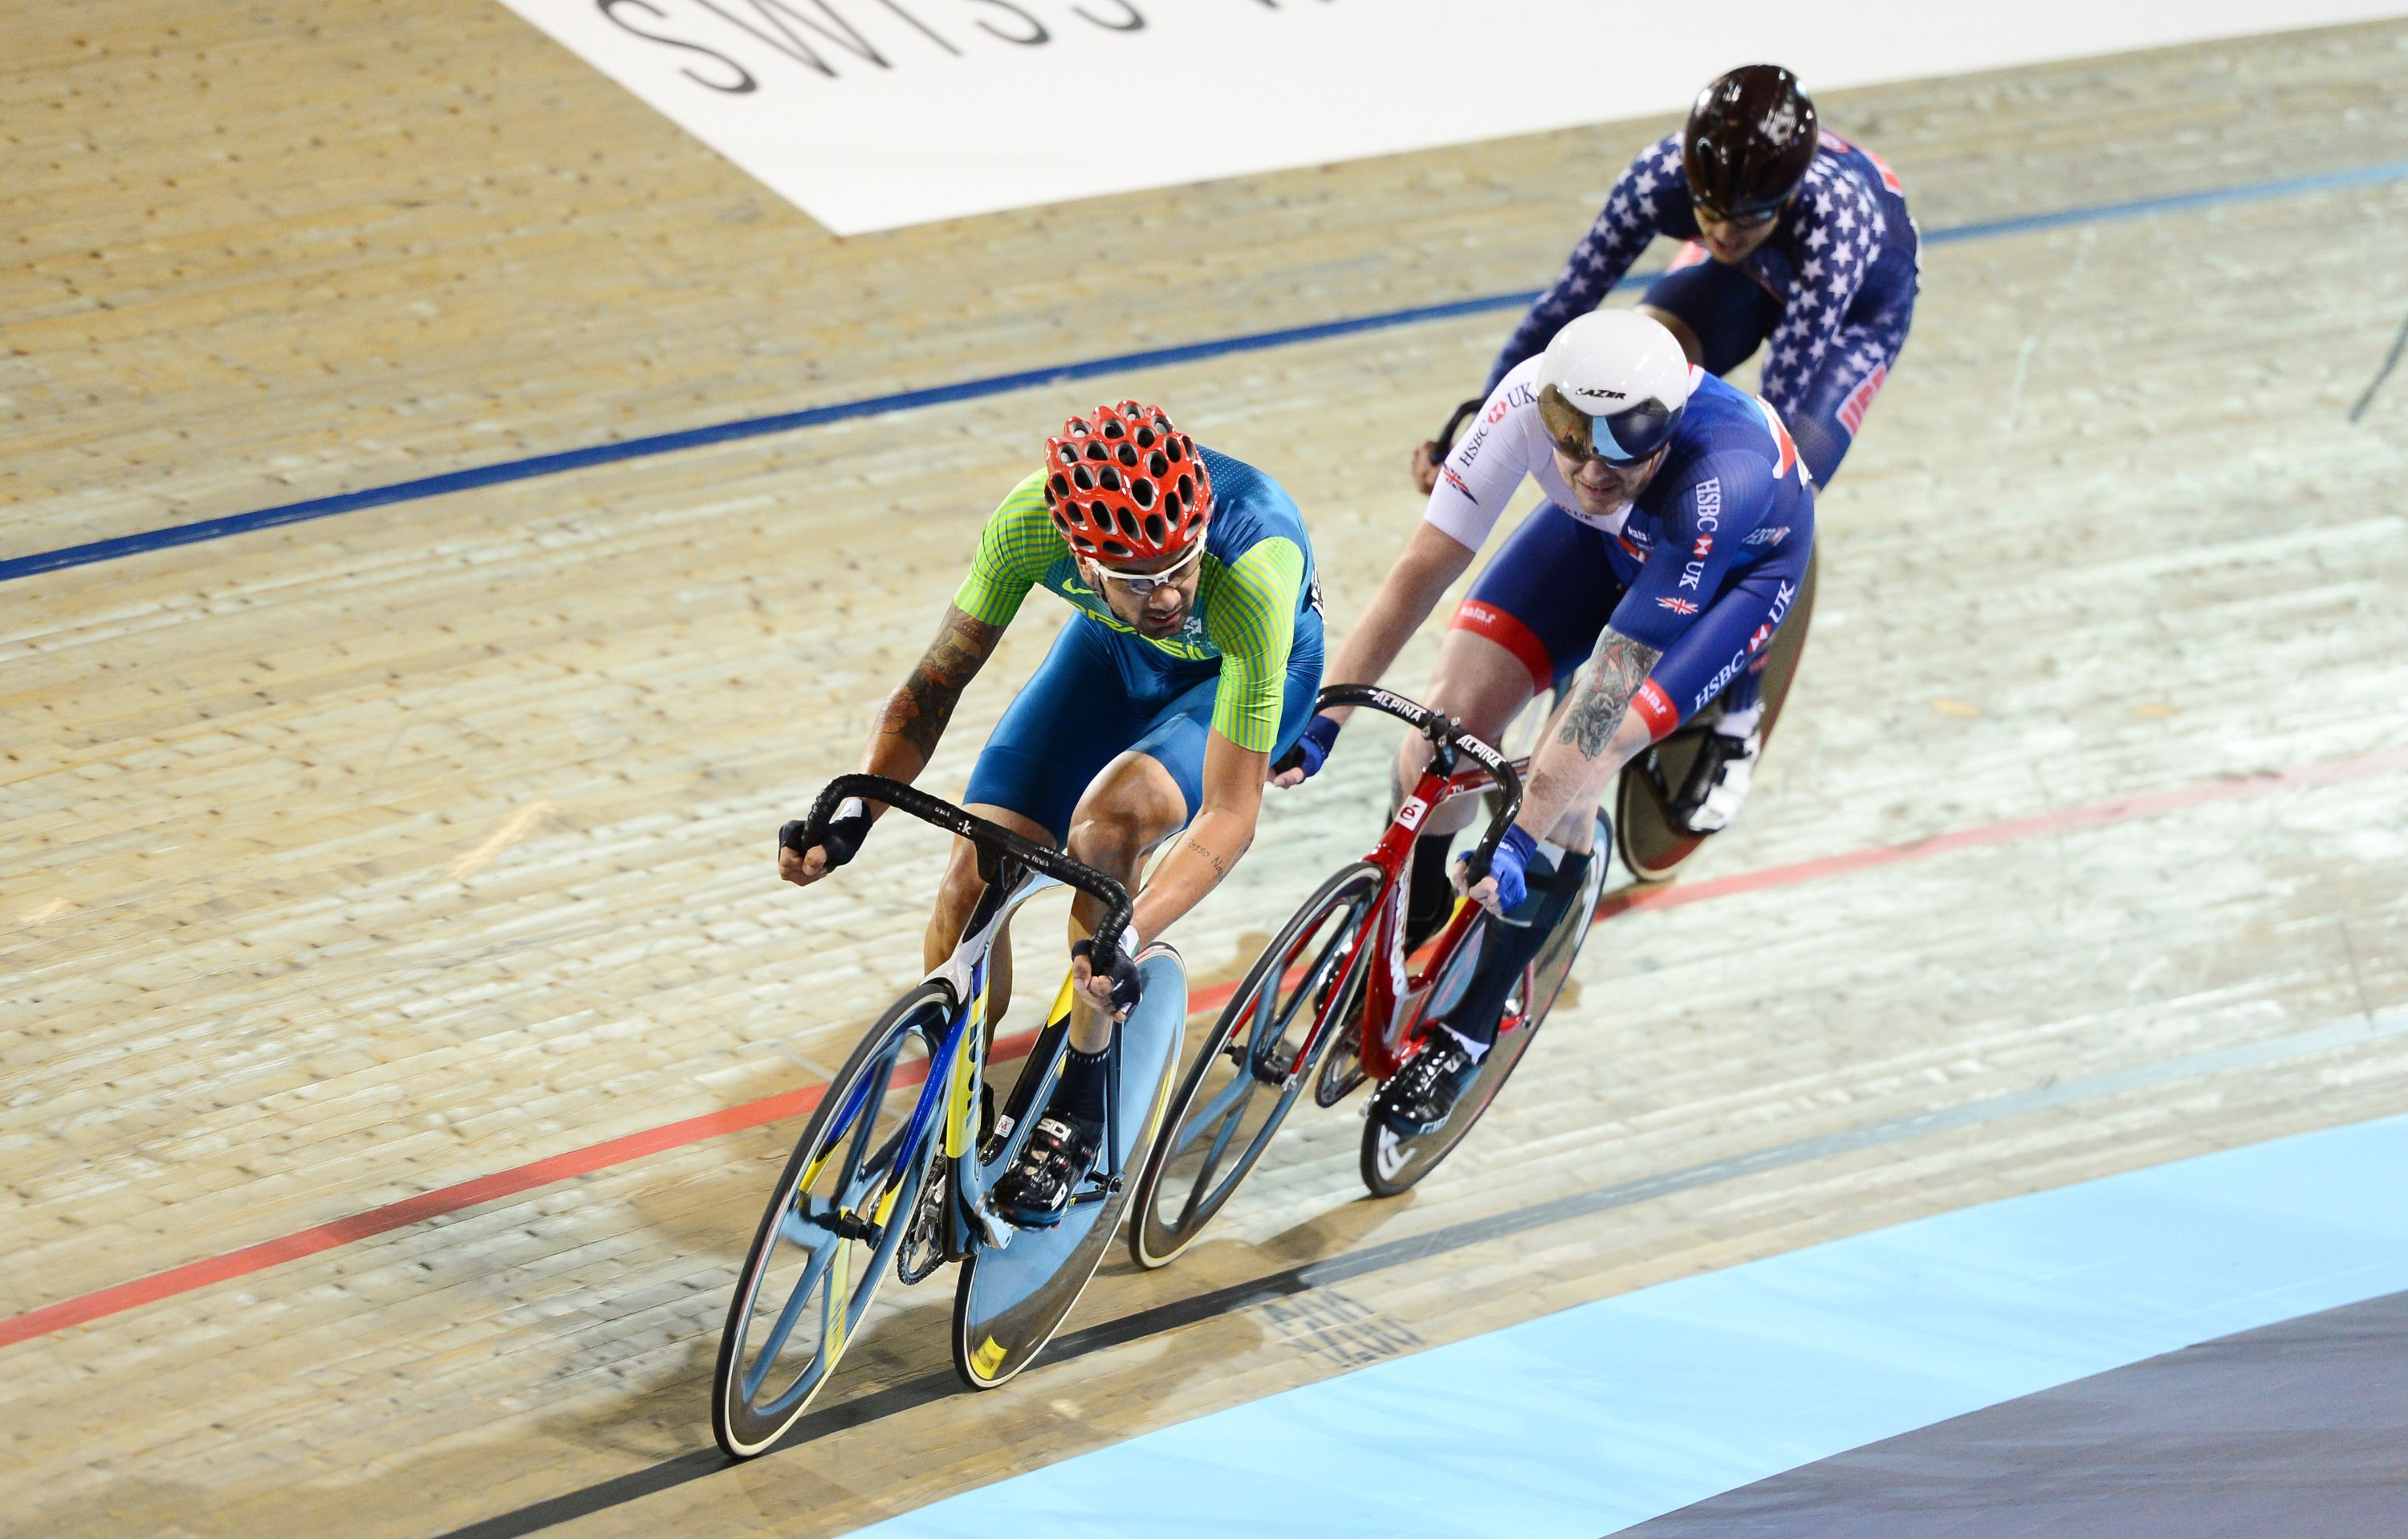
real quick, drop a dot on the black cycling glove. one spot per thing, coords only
(1126, 986)
(843, 837)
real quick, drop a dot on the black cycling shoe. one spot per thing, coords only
(1420, 1095)
(1717, 784)
(1058, 1156)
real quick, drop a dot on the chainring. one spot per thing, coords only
(923, 1250)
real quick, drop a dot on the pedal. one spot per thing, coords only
(995, 1230)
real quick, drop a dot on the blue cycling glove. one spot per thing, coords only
(1510, 867)
(1311, 749)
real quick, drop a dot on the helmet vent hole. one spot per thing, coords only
(1155, 529)
(1083, 478)
(1157, 466)
(1142, 491)
(1127, 456)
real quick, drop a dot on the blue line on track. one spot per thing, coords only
(970, 390)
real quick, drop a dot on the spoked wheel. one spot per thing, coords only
(831, 1231)
(1245, 1075)
(1651, 845)
(1392, 1162)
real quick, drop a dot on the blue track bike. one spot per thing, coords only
(892, 1174)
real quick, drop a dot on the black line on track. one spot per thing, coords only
(2390, 362)
(910, 1394)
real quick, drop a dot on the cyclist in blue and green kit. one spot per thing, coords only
(1191, 664)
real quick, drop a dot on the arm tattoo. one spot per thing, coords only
(918, 711)
(1218, 864)
(1615, 670)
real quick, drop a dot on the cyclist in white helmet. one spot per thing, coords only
(1675, 534)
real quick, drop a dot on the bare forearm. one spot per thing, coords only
(913, 718)
(1593, 736)
(1199, 856)
(1430, 562)
(1371, 646)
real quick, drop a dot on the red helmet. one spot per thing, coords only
(1122, 484)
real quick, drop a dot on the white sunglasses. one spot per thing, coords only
(1141, 584)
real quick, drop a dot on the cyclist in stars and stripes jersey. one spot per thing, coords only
(1797, 241)
(1193, 660)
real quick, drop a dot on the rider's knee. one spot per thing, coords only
(1109, 837)
(959, 891)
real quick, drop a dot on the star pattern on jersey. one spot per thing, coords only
(1634, 210)
(1840, 226)
(1832, 234)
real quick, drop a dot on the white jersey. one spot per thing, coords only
(1508, 442)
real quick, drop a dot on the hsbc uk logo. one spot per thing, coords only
(1710, 518)
(1521, 394)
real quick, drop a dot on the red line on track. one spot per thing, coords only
(653, 1141)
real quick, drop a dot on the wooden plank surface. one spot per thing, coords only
(365, 856)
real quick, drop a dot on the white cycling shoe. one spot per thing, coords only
(1718, 782)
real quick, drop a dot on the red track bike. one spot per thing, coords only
(1334, 1002)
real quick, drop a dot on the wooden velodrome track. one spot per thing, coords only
(381, 854)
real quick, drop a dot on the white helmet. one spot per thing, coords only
(1612, 386)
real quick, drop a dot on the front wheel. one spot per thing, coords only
(1392, 1162)
(830, 1231)
(1246, 1074)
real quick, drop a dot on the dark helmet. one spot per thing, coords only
(1749, 141)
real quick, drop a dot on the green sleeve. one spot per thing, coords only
(1014, 551)
(1253, 623)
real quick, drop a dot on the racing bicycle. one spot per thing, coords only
(1333, 1002)
(893, 1172)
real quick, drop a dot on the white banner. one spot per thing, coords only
(869, 114)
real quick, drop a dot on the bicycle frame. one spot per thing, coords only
(1014, 871)
(1395, 994)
